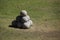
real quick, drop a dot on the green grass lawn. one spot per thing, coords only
(44, 13)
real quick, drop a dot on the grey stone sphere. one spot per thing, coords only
(23, 12)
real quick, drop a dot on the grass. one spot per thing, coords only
(44, 13)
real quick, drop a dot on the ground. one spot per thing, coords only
(45, 15)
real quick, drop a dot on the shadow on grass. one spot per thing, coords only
(16, 27)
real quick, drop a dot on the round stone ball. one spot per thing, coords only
(26, 18)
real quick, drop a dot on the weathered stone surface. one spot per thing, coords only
(23, 20)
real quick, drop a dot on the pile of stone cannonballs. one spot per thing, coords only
(24, 20)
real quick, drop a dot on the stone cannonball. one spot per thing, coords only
(26, 18)
(23, 12)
